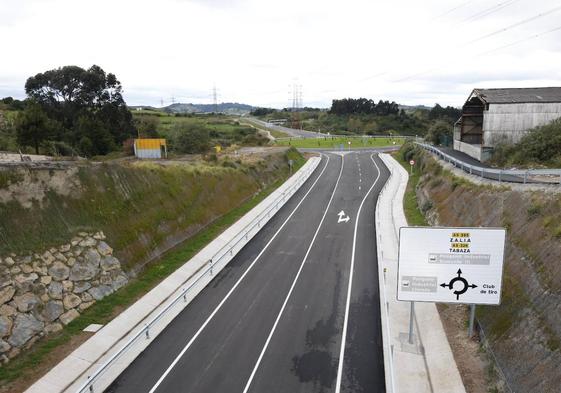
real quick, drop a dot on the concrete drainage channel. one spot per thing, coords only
(94, 365)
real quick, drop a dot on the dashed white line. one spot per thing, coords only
(178, 357)
(349, 289)
(250, 380)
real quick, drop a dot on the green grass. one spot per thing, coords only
(410, 204)
(104, 310)
(278, 134)
(336, 142)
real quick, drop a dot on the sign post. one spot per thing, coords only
(450, 265)
(471, 320)
(411, 162)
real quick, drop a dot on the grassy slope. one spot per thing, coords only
(532, 246)
(410, 205)
(335, 142)
(106, 309)
(137, 206)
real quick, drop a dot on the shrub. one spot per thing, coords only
(191, 138)
(541, 146)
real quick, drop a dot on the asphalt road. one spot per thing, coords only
(289, 131)
(297, 310)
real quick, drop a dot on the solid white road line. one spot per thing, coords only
(248, 384)
(168, 370)
(350, 287)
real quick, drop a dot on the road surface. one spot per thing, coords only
(289, 131)
(297, 310)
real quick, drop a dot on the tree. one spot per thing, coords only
(33, 126)
(147, 125)
(73, 97)
(439, 131)
(191, 138)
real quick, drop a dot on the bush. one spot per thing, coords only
(61, 149)
(541, 146)
(191, 138)
(439, 132)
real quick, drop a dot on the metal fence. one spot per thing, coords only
(222, 257)
(487, 346)
(544, 176)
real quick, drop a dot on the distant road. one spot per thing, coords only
(297, 310)
(289, 131)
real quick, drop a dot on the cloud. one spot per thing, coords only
(411, 51)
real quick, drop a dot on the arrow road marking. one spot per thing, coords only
(342, 217)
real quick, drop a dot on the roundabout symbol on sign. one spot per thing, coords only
(464, 283)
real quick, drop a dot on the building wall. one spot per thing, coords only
(149, 153)
(508, 123)
(471, 150)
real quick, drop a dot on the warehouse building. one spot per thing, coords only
(494, 116)
(150, 148)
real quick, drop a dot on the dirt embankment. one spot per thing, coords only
(524, 332)
(144, 207)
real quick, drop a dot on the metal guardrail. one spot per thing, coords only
(227, 251)
(339, 136)
(501, 175)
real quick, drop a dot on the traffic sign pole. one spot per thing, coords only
(411, 317)
(471, 320)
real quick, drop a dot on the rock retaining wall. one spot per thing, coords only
(39, 293)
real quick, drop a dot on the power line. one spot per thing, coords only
(453, 9)
(489, 11)
(470, 19)
(522, 40)
(516, 25)
(534, 36)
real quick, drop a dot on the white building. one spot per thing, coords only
(494, 116)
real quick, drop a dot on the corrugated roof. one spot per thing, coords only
(519, 95)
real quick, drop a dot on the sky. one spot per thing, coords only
(254, 51)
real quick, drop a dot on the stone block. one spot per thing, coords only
(69, 316)
(26, 302)
(25, 327)
(59, 271)
(6, 294)
(71, 301)
(52, 310)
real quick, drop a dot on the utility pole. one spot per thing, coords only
(296, 101)
(215, 99)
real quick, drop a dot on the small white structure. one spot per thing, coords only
(150, 148)
(494, 116)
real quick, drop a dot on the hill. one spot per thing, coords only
(232, 108)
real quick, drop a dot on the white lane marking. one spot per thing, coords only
(168, 370)
(248, 384)
(349, 289)
(342, 217)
